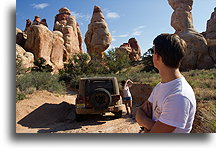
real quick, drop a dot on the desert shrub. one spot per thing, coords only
(19, 68)
(40, 66)
(39, 81)
(20, 96)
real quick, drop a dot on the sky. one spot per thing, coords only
(142, 19)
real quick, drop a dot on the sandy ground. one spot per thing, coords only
(44, 112)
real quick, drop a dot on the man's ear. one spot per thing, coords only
(158, 57)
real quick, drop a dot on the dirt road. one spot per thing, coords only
(45, 112)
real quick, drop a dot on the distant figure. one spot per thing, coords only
(127, 98)
(36, 20)
(28, 24)
(171, 106)
(43, 22)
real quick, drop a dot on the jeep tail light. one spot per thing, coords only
(81, 100)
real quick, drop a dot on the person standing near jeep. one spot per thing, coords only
(171, 106)
(127, 98)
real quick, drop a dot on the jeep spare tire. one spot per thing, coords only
(100, 99)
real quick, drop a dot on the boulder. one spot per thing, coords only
(57, 50)
(140, 93)
(211, 25)
(39, 42)
(27, 58)
(20, 37)
(197, 54)
(98, 37)
(66, 23)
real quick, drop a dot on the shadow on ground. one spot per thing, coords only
(49, 118)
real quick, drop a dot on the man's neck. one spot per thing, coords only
(169, 74)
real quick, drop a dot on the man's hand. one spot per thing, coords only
(144, 114)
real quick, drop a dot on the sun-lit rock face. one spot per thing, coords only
(132, 49)
(67, 24)
(197, 55)
(98, 37)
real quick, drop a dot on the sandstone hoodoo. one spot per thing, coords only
(132, 49)
(135, 55)
(98, 37)
(67, 24)
(55, 47)
(197, 55)
(210, 34)
(211, 25)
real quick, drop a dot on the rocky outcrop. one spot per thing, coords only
(197, 54)
(27, 58)
(20, 37)
(46, 44)
(39, 42)
(66, 23)
(140, 93)
(211, 25)
(98, 37)
(135, 55)
(132, 49)
(125, 47)
(212, 48)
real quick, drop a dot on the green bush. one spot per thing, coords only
(39, 81)
(19, 68)
(20, 96)
(40, 66)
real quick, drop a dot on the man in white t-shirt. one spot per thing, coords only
(171, 106)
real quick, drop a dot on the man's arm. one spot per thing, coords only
(144, 115)
(160, 127)
(144, 118)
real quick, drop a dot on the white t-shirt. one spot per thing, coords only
(126, 91)
(174, 104)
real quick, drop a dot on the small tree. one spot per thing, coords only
(148, 62)
(116, 60)
(40, 66)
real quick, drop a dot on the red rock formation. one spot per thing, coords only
(197, 55)
(135, 55)
(46, 44)
(39, 42)
(97, 38)
(211, 25)
(28, 24)
(36, 20)
(43, 22)
(132, 49)
(66, 23)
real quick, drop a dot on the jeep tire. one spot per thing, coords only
(100, 99)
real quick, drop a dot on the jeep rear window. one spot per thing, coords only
(91, 85)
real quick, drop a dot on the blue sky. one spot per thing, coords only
(142, 19)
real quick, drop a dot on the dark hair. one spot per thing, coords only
(171, 48)
(123, 83)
